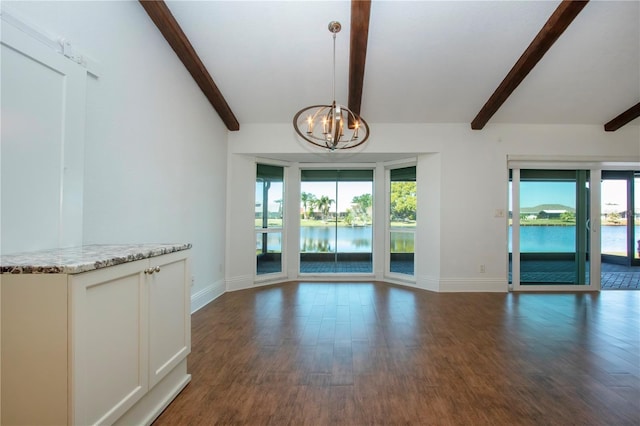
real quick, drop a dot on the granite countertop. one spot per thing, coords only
(75, 260)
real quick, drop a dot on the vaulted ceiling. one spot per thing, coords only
(426, 61)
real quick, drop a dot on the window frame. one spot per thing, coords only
(322, 171)
(258, 277)
(389, 229)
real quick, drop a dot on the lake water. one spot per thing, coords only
(554, 239)
(533, 239)
(315, 239)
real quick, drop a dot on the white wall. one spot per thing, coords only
(155, 149)
(427, 240)
(42, 140)
(462, 181)
(157, 166)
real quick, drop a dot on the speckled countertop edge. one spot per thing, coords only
(75, 260)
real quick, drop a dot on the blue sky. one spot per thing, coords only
(536, 193)
(532, 193)
(346, 191)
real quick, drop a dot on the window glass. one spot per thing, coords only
(336, 229)
(269, 218)
(402, 220)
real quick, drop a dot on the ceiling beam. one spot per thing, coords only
(360, 13)
(624, 118)
(550, 32)
(170, 29)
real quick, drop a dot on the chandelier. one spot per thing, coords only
(331, 126)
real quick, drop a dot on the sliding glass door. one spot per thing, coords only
(336, 230)
(620, 217)
(550, 235)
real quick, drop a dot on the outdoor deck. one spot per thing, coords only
(613, 277)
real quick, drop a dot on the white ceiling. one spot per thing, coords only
(427, 61)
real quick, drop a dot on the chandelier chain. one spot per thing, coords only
(334, 67)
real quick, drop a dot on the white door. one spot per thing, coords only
(42, 104)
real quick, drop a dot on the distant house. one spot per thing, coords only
(550, 214)
(544, 211)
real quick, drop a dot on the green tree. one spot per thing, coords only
(364, 201)
(403, 201)
(613, 217)
(312, 208)
(307, 200)
(568, 217)
(348, 217)
(324, 204)
(360, 206)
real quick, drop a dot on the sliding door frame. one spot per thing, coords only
(375, 197)
(627, 176)
(594, 227)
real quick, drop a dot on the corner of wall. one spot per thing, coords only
(241, 282)
(207, 295)
(430, 283)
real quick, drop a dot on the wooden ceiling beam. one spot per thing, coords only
(360, 13)
(550, 32)
(160, 14)
(624, 118)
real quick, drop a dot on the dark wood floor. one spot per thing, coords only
(372, 353)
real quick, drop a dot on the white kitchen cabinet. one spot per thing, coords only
(169, 318)
(98, 347)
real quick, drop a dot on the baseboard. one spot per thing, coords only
(241, 282)
(207, 295)
(443, 285)
(471, 285)
(336, 277)
(427, 282)
(151, 405)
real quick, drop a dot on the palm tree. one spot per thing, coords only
(307, 200)
(324, 204)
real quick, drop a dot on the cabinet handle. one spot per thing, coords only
(151, 270)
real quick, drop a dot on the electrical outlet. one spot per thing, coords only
(483, 269)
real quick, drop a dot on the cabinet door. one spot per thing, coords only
(169, 314)
(109, 321)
